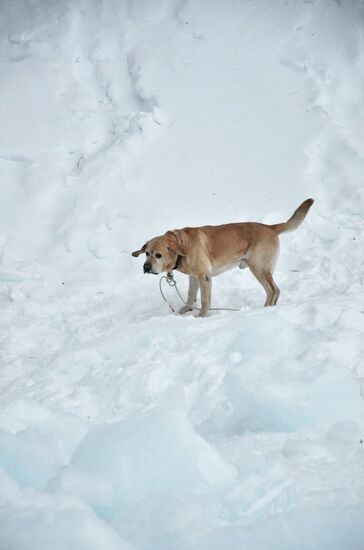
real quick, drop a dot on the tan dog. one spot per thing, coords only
(203, 252)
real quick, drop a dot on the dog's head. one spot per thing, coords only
(162, 252)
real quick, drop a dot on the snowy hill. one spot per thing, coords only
(123, 425)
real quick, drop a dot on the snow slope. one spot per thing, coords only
(123, 425)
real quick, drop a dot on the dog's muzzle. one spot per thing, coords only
(147, 268)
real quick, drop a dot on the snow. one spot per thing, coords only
(122, 425)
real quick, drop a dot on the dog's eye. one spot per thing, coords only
(147, 253)
(158, 255)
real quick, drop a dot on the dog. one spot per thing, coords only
(203, 252)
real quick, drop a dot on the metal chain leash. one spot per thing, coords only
(171, 281)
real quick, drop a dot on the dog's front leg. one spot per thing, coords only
(194, 285)
(205, 286)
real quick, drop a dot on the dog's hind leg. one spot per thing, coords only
(261, 261)
(266, 280)
(194, 285)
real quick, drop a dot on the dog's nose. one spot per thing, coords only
(147, 268)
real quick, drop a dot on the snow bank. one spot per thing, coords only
(158, 452)
(38, 520)
(121, 424)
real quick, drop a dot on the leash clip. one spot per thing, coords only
(170, 278)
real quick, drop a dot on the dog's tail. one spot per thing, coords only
(295, 220)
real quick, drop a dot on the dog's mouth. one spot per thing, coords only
(148, 269)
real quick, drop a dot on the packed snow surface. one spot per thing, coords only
(123, 425)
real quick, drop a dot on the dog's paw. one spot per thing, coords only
(184, 309)
(203, 313)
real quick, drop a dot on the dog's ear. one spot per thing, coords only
(137, 253)
(176, 243)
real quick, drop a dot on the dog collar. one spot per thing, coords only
(178, 261)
